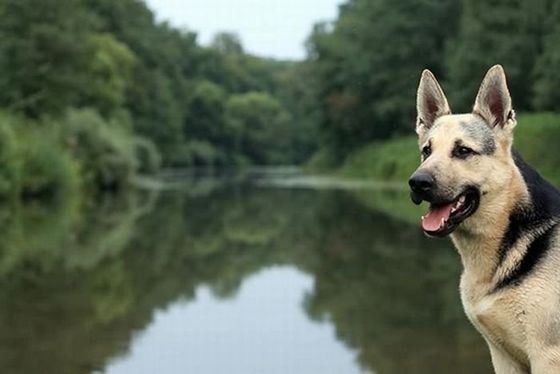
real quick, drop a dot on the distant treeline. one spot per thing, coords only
(115, 70)
(367, 63)
(108, 91)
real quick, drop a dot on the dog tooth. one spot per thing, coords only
(462, 199)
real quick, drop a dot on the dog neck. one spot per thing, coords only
(479, 239)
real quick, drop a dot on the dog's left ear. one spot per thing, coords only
(493, 102)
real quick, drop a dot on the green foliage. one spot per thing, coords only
(259, 125)
(393, 160)
(147, 156)
(34, 160)
(42, 54)
(155, 96)
(546, 72)
(155, 109)
(506, 32)
(322, 161)
(9, 156)
(196, 152)
(206, 108)
(46, 168)
(368, 62)
(296, 90)
(110, 71)
(536, 137)
(80, 150)
(227, 43)
(106, 152)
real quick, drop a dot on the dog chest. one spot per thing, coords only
(500, 321)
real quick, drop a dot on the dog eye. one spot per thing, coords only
(462, 152)
(426, 151)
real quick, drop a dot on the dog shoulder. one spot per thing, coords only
(533, 231)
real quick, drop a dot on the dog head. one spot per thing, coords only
(465, 158)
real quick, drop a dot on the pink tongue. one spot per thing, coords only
(432, 220)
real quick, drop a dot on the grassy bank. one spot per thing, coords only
(536, 137)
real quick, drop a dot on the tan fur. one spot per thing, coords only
(520, 324)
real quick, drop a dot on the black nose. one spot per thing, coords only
(421, 182)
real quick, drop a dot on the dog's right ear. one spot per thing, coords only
(431, 102)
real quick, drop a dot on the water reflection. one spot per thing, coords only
(262, 330)
(84, 290)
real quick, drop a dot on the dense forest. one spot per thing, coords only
(367, 63)
(93, 92)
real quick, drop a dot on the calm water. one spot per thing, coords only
(222, 275)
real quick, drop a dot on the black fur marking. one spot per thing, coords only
(517, 222)
(545, 198)
(543, 208)
(535, 252)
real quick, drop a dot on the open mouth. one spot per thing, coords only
(443, 219)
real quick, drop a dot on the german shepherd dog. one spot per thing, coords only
(502, 216)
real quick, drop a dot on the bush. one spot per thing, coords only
(147, 156)
(46, 167)
(106, 151)
(393, 160)
(322, 160)
(50, 157)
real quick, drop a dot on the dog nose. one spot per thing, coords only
(421, 181)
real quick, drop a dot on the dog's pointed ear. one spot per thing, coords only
(431, 102)
(493, 102)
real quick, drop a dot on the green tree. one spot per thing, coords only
(546, 72)
(227, 43)
(206, 109)
(42, 54)
(259, 124)
(368, 62)
(501, 31)
(110, 72)
(157, 111)
(296, 91)
(147, 79)
(165, 62)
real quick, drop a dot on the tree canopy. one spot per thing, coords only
(367, 62)
(218, 105)
(113, 57)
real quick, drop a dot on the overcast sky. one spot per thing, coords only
(272, 28)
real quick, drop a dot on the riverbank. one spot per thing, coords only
(78, 152)
(536, 138)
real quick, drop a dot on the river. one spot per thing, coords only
(278, 273)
